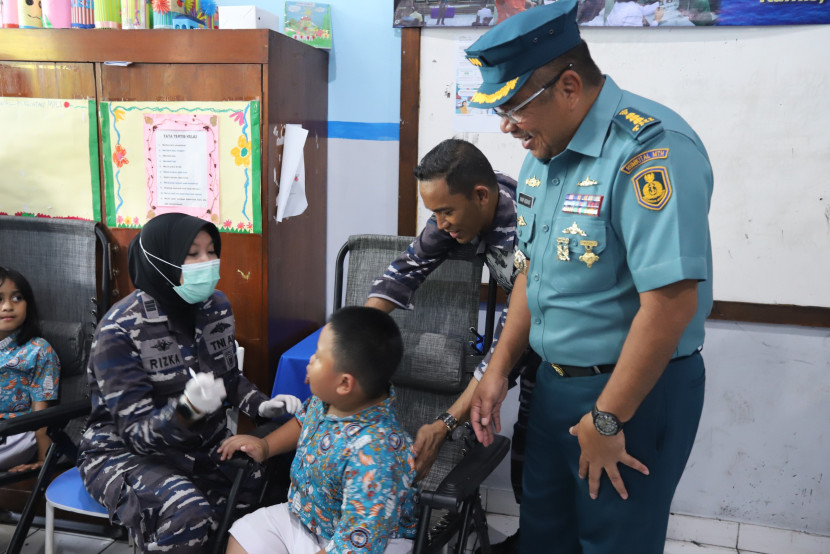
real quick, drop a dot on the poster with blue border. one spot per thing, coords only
(618, 13)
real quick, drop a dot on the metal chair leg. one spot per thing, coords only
(423, 530)
(28, 514)
(480, 523)
(464, 532)
(220, 542)
(49, 547)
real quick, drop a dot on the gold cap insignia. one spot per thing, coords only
(481, 98)
(574, 230)
(533, 182)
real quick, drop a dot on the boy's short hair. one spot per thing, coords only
(367, 344)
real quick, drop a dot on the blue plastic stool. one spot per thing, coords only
(67, 492)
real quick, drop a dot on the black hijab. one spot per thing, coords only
(168, 236)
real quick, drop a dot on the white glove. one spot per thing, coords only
(278, 405)
(204, 393)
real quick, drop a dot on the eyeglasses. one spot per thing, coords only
(510, 115)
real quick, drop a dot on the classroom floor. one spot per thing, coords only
(73, 543)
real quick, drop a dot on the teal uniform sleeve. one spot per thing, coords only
(662, 214)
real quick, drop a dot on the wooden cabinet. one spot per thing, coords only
(276, 279)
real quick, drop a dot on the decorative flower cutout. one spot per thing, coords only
(242, 153)
(120, 156)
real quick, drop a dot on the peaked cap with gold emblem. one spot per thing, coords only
(508, 53)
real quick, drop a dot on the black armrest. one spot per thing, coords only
(240, 460)
(468, 475)
(60, 414)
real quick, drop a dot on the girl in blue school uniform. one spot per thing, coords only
(29, 371)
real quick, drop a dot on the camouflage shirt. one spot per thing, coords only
(404, 275)
(138, 368)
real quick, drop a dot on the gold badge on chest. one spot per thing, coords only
(574, 230)
(589, 257)
(533, 182)
(563, 250)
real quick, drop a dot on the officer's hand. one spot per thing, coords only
(279, 405)
(254, 447)
(204, 393)
(485, 412)
(428, 443)
(602, 453)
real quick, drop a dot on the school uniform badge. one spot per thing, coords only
(652, 187)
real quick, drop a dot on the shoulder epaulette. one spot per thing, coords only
(640, 126)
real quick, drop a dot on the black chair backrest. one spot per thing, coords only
(438, 359)
(58, 258)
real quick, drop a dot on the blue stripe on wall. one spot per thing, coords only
(364, 131)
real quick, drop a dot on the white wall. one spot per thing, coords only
(764, 440)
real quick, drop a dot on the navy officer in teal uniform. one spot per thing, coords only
(615, 284)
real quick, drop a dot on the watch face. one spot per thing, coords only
(606, 423)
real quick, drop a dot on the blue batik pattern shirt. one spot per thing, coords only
(351, 479)
(29, 373)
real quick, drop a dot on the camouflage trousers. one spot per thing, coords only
(166, 509)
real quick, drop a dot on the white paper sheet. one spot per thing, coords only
(467, 81)
(291, 199)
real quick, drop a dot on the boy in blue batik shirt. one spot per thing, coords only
(351, 479)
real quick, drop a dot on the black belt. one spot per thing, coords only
(579, 371)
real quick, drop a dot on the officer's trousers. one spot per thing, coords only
(556, 510)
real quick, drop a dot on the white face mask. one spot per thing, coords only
(198, 280)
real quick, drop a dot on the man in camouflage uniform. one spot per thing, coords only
(471, 204)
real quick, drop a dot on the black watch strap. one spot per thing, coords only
(450, 421)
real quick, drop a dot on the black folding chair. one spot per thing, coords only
(439, 359)
(60, 259)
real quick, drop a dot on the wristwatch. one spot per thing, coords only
(607, 424)
(450, 421)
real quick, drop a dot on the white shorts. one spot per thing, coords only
(18, 449)
(274, 529)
